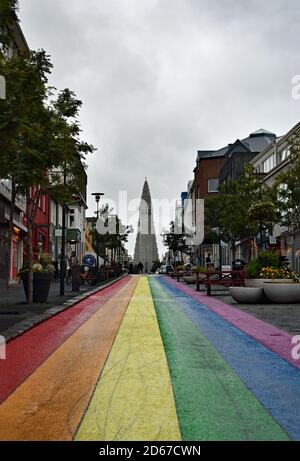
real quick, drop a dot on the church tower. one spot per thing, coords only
(146, 247)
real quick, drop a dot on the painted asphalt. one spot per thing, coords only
(150, 359)
(134, 398)
(273, 381)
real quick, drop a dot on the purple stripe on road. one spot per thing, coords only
(273, 338)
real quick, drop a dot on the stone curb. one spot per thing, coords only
(20, 328)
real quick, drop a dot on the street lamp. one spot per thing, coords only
(97, 196)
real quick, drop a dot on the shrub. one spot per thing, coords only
(264, 259)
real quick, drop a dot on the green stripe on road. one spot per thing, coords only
(212, 402)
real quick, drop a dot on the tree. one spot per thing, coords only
(25, 126)
(243, 209)
(175, 242)
(8, 14)
(114, 234)
(156, 265)
(39, 139)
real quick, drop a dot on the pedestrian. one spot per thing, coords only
(208, 261)
(73, 260)
(140, 268)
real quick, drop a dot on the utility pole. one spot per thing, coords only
(63, 265)
(97, 196)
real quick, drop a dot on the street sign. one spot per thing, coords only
(58, 233)
(89, 260)
(272, 240)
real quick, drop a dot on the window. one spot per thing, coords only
(6, 184)
(269, 163)
(53, 213)
(60, 215)
(284, 154)
(213, 185)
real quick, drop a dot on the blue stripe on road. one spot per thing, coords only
(274, 382)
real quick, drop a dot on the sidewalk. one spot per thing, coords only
(13, 307)
(283, 316)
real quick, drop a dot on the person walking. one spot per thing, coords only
(140, 268)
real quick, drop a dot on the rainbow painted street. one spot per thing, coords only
(150, 359)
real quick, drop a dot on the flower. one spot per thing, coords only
(37, 267)
(42, 265)
(278, 273)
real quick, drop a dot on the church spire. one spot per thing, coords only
(146, 247)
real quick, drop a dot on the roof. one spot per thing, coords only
(256, 142)
(278, 140)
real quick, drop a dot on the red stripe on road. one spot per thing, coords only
(27, 352)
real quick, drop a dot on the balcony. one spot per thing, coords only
(5, 191)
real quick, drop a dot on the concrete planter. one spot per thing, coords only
(247, 295)
(260, 283)
(256, 283)
(282, 293)
(190, 279)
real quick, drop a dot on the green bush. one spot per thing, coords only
(264, 259)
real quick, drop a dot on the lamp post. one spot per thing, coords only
(97, 196)
(63, 263)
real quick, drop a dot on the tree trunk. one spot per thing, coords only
(29, 250)
(10, 229)
(233, 249)
(294, 250)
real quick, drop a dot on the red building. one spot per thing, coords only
(41, 227)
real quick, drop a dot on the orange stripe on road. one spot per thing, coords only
(50, 404)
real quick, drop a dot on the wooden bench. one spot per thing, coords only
(223, 278)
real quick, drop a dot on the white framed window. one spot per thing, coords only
(213, 185)
(53, 212)
(269, 163)
(285, 154)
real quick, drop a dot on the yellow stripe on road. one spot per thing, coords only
(134, 398)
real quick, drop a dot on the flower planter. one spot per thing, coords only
(282, 293)
(41, 285)
(248, 295)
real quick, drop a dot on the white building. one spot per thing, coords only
(271, 162)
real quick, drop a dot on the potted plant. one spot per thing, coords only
(42, 276)
(281, 275)
(253, 271)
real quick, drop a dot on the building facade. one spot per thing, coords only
(270, 163)
(213, 168)
(13, 258)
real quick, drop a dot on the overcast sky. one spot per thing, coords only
(160, 79)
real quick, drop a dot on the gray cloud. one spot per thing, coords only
(162, 78)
